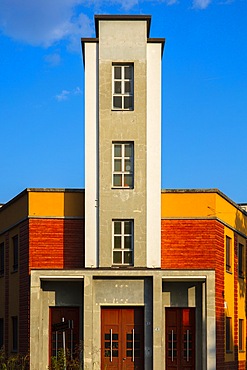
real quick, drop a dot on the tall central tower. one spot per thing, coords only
(123, 144)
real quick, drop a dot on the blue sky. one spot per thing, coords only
(204, 115)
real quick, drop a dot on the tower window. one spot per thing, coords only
(123, 242)
(123, 87)
(123, 164)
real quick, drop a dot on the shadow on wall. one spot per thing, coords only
(74, 230)
(241, 224)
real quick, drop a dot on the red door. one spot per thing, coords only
(122, 338)
(180, 338)
(64, 330)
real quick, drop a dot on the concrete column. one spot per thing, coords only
(88, 323)
(158, 353)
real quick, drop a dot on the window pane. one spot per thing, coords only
(128, 72)
(128, 102)
(127, 242)
(128, 181)
(127, 165)
(117, 102)
(128, 150)
(127, 87)
(127, 227)
(117, 87)
(228, 254)
(117, 150)
(228, 334)
(117, 227)
(117, 73)
(241, 335)
(117, 180)
(117, 165)
(117, 242)
(117, 257)
(128, 257)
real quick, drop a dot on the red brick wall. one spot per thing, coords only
(56, 244)
(198, 244)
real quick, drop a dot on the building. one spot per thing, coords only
(141, 279)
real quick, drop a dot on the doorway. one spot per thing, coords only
(64, 331)
(180, 338)
(122, 338)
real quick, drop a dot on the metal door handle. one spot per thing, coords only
(111, 344)
(187, 346)
(133, 345)
(172, 345)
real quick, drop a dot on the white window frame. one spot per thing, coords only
(119, 84)
(125, 162)
(121, 250)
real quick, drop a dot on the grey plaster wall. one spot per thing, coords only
(122, 42)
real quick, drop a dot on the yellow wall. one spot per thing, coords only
(56, 203)
(202, 204)
(13, 212)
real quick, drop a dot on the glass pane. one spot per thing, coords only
(117, 227)
(128, 257)
(117, 87)
(129, 336)
(128, 102)
(127, 87)
(117, 72)
(138, 353)
(117, 242)
(107, 345)
(128, 72)
(115, 345)
(115, 353)
(107, 353)
(129, 345)
(117, 102)
(107, 337)
(117, 165)
(128, 181)
(129, 353)
(117, 257)
(114, 336)
(117, 150)
(127, 242)
(117, 180)
(128, 150)
(127, 227)
(127, 165)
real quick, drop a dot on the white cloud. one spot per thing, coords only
(201, 4)
(64, 95)
(43, 22)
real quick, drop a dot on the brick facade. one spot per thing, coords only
(56, 244)
(198, 244)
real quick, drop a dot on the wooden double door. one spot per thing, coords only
(122, 338)
(180, 338)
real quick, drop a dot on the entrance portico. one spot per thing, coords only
(152, 293)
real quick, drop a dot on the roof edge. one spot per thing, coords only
(119, 17)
